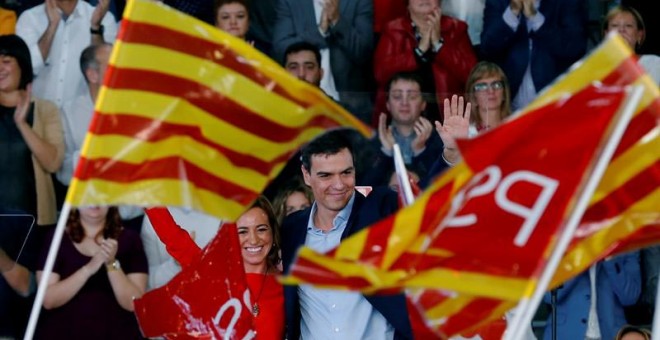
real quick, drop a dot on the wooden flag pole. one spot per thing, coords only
(48, 269)
(527, 306)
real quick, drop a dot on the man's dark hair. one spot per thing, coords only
(88, 58)
(329, 143)
(302, 46)
(407, 76)
(13, 46)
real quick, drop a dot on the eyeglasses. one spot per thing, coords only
(496, 85)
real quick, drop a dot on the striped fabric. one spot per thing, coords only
(191, 116)
(451, 300)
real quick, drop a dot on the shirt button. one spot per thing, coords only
(334, 306)
(336, 329)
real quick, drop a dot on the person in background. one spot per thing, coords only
(258, 235)
(427, 42)
(77, 113)
(591, 305)
(629, 24)
(408, 127)
(57, 32)
(293, 196)
(343, 32)
(488, 90)
(233, 17)
(31, 149)
(99, 270)
(533, 41)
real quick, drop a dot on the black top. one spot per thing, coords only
(16, 169)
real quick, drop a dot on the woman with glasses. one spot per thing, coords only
(488, 90)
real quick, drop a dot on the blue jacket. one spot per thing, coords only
(380, 203)
(618, 284)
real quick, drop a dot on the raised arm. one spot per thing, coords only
(177, 241)
(456, 125)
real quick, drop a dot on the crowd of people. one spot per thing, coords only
(422, 73)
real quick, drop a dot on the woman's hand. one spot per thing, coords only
(456, 125)
(23, 105)
(109, 248)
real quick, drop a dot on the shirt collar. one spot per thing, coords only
(339, 221)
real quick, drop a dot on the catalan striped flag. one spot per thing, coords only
(191, 116)
(449, 298)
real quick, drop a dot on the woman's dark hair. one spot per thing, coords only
(13, 46)
(273, 258)
(112, 227)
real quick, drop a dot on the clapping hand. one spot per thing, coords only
(52, 12)
(385, 133)
(23, 105)
(423, 130)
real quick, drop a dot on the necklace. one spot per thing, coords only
(255, 305)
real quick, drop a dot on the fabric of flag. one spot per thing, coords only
(518, 194)
(192, 116)
(208, 299)
(624, 213)
(631, 211)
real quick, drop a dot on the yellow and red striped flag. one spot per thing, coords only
(469, 301)
(192, 116)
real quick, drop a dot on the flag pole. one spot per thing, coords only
(48, 269)
(656, 315)
(527, 306)
(405, 190)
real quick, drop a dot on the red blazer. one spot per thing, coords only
(396, 52)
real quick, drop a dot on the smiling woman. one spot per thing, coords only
(258, 233)
(31, 148)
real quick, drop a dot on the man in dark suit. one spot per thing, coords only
(343, 31)
(533, 41)
(339, 211)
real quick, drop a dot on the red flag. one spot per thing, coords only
(207, 299)
(513, 199)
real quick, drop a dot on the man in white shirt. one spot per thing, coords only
(77, 113)
(56, 32)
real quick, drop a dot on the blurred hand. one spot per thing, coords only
(385, 133)
(456, 122)
(109, 248)
(516, 6)
(331, 8)
(433, 20)
(423, 130)
(23, 105)
(529, 10)
(52, 12)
